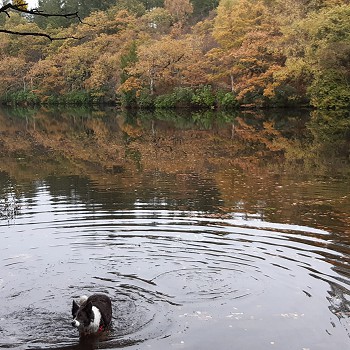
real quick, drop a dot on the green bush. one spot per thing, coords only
(183, 96)
(21, 97)
(226, 100)
(204, 97)
(51, 100)
(330, 91)
(145, 100)
(77, 98)
(128, 99)
(165, 101)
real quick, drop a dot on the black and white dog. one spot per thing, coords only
(92, 315)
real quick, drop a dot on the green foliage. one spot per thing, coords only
(132, 6)
(226, 100)
(51, 6)
(201, 8)
(86, 7)
(330, 91)
(247, 52)
(180, 98)
(165, 101)
(183, 96)
(128, 98)
(204, 97)
(77, 98)
(324, 52)
(23, 97)
(151, 4)
(158, 20)
(145, 100)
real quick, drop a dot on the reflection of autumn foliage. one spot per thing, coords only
(105, 142)
(247, 161)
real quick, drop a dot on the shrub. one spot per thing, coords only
(330, 91)
(165, 101)
(204, 97)
(145, 100)
(77, 98)
(21, 97)
(226, 100)
(183, 96)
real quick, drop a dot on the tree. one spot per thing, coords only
(329, 56)
(132, 6)
(12, 72)
(157, 20)
(179, 9)
(245, 58)
(165, 64)
(51, 6)
(86, 7)
(317, 52)
(201, 8)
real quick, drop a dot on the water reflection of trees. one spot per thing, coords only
(267, 162)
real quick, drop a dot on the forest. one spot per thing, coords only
(162, 54)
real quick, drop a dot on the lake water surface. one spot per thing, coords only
(207, 231)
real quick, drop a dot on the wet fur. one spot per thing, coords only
(92, 315)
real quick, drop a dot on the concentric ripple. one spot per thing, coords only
(171, 276)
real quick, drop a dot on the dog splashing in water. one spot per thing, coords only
(92, 315)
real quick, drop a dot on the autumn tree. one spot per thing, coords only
(163, 64)
(90, 66)
(316, 47)
(245, 56)
(328, 55)
(179, 9)
(157, 20)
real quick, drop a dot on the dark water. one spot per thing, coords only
(218, 233)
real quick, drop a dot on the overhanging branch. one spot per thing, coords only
(35, 12)
(37, 34)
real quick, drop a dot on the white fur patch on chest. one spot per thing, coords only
(95, 325)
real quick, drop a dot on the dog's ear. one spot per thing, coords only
(88, 308)
(75, 308)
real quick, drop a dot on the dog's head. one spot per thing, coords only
(82, 315)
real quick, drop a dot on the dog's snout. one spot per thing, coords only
(75, 323)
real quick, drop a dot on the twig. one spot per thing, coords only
(36, 12)
(37, 34)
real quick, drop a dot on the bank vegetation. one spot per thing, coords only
(191, 54)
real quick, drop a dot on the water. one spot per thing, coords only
(210, 252)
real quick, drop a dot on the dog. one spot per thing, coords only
(92, 315)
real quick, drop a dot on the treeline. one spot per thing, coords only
(180, 53)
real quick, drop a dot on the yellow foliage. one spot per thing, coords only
(130, 84)
(21, 4)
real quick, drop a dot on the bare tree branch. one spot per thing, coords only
(35, 12)
(37, 34)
